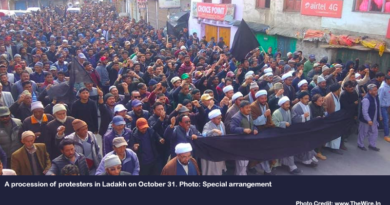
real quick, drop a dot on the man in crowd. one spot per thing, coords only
(183, 163)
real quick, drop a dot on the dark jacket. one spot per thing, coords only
(318, 90)
(347, 101)
(20, 111)
(178, 135)
(371, 109)
(145, 114)
(33, 125)
(289, 91)
(52, 129)
(86, 112)
(136, 139)
(61, 161)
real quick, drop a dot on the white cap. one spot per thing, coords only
(214, 113)
(111, 87)
(289, 53)
(286, 75)
(111, 161)
(302, 82)
(265, 66)
(253, 85)
(249, 74)
(36, 105)
(324, 68)
(99, 30)
(227, 88)
(58, 107)
(237, 95)
(283, 100)
(269, 74)
(357, 75)
(119, 108)
(183, 148)
(174, 79)
(183, 48)
(320, 79)
(268, 70)
(260, 93)
(64, 41)
(338, 66)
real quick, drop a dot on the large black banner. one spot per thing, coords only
(275, 143)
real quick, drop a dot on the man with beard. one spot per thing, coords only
(183, 163)
(106, 107)
(315, 71)
(369, 119)
(144, 144)
(186, 67)
(289, 90)
(252, 92)
(32, 158)
(282, 118)
(303, 86)
(118, 130)
(37, 123)
(128, 158)
(301, 113)
(103, 73)
(214, 127)
(86, 110)
(61, 123)
(261, 114)
(9, 130)
(85, 142)
(242, 123)
(137, 112)
(68, 156)
(332, 102)
(236, 100)
(320, 87)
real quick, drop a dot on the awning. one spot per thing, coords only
(255, 27)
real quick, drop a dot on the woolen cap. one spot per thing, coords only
(58, 107)
(27, 134)
(36, 105)
(78, 124)
(112, 160)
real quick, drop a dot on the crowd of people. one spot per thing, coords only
(156, 94)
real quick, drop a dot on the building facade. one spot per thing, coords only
(289, 20)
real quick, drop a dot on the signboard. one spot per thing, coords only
(166, 4)
(324, 8)
(388, 30)
(219, 12)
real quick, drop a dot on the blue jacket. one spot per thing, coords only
(178, 135)
(236, 124)
(103, 74)
(110, 135)
(3, 157)
(384, 95)
(129, 164)
(318, 90)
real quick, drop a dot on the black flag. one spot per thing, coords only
(244, 41)
(64, 92)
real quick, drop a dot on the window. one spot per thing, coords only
(263, 4)
(208, 1)
(374, 6)
(226, 1)
(292, 5)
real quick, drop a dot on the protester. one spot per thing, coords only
(183, 163)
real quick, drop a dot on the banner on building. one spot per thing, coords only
(388, 30)
(218, 12)
(167, 4)
(324, 8)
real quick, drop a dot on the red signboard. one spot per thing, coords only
(325, 8)
(211, 11)
(388, 30)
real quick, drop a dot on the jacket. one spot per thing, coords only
(329, 102)
(154, 139)
(20, 162)
(384, 95)
(7, 98)
(129, 164)
(110, 135)
(20, 111)
(10, 143)
(61, 161)
(178, 135)
(240, 122)
(257, 112)
(96, 156)
(33, 125)
(145, 114)
(89, 116)
(318, 90)
(52, 127)
(17, 89)
(171, 167)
